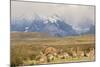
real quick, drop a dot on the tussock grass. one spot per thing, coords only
(26, 46)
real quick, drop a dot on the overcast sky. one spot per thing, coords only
(73, 14)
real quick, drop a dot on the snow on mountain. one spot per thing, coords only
(53, 25)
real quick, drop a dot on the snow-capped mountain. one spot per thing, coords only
(54, 26)
(91, 30)
(85, 27)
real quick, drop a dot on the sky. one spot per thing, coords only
(73, 14)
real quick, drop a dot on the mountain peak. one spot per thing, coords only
(50, 19)
(53, 25)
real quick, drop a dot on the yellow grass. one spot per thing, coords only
(26, 46)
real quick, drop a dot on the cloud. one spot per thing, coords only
(73, 14)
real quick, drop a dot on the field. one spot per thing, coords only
(34, 48)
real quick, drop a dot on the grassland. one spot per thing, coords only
(26, 46)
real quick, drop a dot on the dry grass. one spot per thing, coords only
(26, 46)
